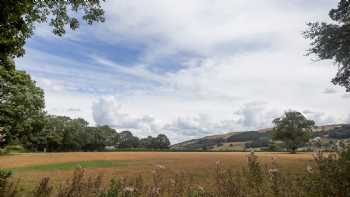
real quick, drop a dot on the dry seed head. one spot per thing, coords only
(273, 170)
(309, 169)
(155, 190)
(200, 188)
(129, 189)
(172, 181)
(158, 166)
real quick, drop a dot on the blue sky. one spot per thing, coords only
(188, 68)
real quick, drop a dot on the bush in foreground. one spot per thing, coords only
(327, 176)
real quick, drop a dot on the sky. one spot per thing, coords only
(188, 68)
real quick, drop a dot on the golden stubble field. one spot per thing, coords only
(31, 167)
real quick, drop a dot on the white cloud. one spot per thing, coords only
(138, 71)
(204, 27)
(110, 111)
(320, 118)
(254, 115)
(199, 125)
(106, 111)
(239, 65)
(70, 104)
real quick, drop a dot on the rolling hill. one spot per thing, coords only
(259, 139)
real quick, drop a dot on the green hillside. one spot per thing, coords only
(260, 139)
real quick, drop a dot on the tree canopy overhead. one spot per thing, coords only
(332, 41)
(19, 17)
(293, 129)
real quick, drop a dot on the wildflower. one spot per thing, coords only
(155, 191)
(273, 172)
(160, 167)
(309, 169)
(79, 166)
(200, 188)
(122, 180)
(129, 189)
(251, 157)
(172, 181)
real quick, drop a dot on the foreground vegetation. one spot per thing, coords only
(328, 174)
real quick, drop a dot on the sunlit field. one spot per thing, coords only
(31, 167)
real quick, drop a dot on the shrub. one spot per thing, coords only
(330, 175)
(15, 148)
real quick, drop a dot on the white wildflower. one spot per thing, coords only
(200, 188)
(273, 170)
(160, 167)
(309, 169)
(129, 189)
(155, 190)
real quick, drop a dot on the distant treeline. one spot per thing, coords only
(60, 133)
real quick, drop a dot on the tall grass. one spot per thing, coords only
(327, 176)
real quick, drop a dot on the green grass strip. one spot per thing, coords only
(72, 165)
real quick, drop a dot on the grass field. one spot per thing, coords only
(31, 167)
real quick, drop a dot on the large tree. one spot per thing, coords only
(21, 104)
(19, 17)
(332, 41)
(97, 138)
(293, 128)
(162, 141)
(128, 140)
(159, 142)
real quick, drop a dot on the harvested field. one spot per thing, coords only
(31, 167)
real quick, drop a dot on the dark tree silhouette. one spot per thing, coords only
(332, 41)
